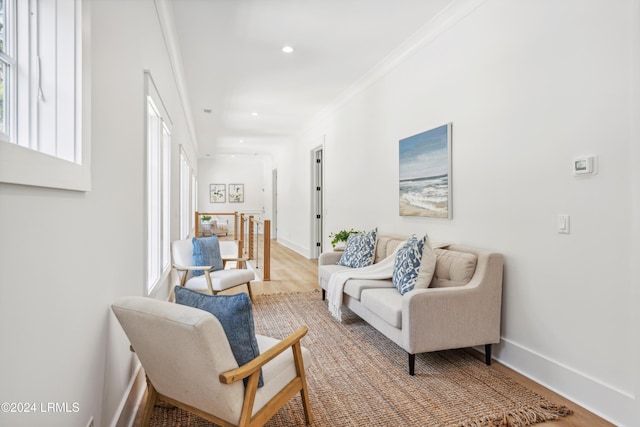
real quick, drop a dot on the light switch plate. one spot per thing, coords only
(563, 223)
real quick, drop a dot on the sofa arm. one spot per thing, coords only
(329, 258)
(445, 318)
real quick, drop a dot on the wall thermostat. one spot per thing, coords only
(584, 165)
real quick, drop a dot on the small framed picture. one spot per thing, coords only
(236, 193)
(217, 193)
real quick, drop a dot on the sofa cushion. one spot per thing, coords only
(325, 271)
(427, 265)
(359, 250)
(385, 246)
(354, 287)
(453, 268)
(386, 303)
(206, 251)
(407, 264)
(235, 314)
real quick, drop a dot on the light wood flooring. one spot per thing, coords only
(291, 272)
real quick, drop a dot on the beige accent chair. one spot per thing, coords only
(211, 282)
(189, 364)
(221, 226)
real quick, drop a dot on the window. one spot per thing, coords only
(44, 136)
(186, 213)
(158, 143)
(194, 198)
(7, 67)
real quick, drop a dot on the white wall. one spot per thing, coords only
(294, 182)
(528, 86)
(66, 256)
(253, 172)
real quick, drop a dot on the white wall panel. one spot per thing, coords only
(528, 86)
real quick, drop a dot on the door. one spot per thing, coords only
(274, 204)
(317, 192)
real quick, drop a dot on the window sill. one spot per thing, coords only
(20, 165)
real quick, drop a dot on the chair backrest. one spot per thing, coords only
(182, 350)
(182, 251)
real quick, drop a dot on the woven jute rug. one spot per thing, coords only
(358, 377)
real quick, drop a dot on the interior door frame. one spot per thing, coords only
(274, 204)
(317, 201)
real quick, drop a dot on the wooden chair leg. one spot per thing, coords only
(304, 393)
(152, 397)
(249, 289)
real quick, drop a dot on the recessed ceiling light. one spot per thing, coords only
(287, 49)
(241, 141)
(254, 114)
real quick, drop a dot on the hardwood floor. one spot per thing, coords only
(291, 272)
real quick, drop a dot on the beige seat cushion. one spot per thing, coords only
(453, 268)
(354, 287)
(277, 373)
(221, 279)
(386, 303)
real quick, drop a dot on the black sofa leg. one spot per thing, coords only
(487, 354)
(412, 364)
(323, 294)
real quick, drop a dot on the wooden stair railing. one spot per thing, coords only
(240, 223)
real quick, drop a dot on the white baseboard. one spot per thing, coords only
(604, 400)
(128, 408)
(294, 247)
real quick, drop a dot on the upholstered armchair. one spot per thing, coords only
(189, 363)
(209, 275)
(221, 226)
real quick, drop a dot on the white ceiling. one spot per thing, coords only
(233, 64)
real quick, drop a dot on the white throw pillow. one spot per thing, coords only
(427, 265)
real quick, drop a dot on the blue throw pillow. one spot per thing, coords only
(235, 314)
(407, 265)
(359, 250)
(206, 251)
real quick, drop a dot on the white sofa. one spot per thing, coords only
(460, 308)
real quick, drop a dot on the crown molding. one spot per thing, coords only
(164, 10)
(430, 31)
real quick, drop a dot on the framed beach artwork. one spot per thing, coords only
(217, 193)
(236, 193)
(425, 173)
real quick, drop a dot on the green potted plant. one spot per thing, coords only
(340, 238)
(205, 218)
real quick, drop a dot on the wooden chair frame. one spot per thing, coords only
(251, 370)
(207, 269)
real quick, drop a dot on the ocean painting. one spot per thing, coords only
(425, 166)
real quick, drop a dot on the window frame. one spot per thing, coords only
(157, 188)
(186, 195)
(20, 163)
